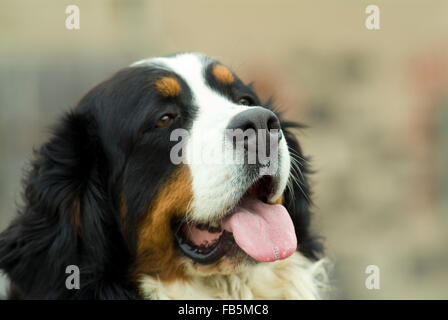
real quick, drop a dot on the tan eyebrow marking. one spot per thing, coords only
(168, 87)
(223, 74)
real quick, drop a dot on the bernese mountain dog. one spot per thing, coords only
(107, 194)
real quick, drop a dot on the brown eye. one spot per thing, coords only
(245, 101)
(165, 120)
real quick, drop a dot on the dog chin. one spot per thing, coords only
(233, 263)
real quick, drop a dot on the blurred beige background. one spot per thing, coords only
(376, 102)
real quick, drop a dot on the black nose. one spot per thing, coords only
(255, 118)
(250, 122)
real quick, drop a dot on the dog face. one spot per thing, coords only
(144, 178)
(213, 99)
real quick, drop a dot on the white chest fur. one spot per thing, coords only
(292, 278)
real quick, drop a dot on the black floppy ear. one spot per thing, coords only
(64, 220)
(297, 197)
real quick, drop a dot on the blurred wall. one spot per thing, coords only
(376, 103)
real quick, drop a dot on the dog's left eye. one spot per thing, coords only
(246, 101)
(165, 120)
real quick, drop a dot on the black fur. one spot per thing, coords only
(77, 179)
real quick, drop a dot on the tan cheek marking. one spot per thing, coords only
(223, 74)
(156, 252)
(168, 87)
(279, 200)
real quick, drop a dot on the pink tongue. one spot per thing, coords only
(263, 231)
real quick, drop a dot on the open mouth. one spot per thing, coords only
(263, 231)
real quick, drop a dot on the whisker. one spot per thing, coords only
(295, 169)
(297, 155)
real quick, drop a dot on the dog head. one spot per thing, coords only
(171, 168)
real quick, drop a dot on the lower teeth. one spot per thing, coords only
(212, 227)
(214, 224)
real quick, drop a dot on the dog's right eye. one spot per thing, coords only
(165, 120)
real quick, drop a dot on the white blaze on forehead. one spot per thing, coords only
(214, 110)
(214, 185)
(212, 106)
